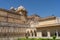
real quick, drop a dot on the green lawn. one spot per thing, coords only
(53, 38)
(35, 39)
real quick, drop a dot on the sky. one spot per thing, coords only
(43, 8)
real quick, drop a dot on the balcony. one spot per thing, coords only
(48, 25)
(8, 24)
(45, 25)
(11, 28)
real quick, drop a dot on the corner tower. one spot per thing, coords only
(22, 11)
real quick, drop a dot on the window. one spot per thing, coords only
(58, 33)
(53, 33)
(35, 33)
(31, 33)
(44, 33)
(27, 34)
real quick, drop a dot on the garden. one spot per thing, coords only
(36, 39)
(53, 38)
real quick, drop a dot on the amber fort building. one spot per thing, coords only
(15, 23)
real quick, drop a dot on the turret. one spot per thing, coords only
(22, 11)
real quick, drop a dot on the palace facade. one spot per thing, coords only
(15, 23)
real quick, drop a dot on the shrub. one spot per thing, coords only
(54, 37)
(21, 39)
(39, 39)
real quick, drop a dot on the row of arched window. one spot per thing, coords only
(31, 33)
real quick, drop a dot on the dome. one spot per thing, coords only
(12, 9)
(21, 8)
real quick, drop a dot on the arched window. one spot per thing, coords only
(27, 34)
(35, 33)
(31, 32)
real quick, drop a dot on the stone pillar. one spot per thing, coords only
(39, 34)
(29, 32)
(48, 33)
